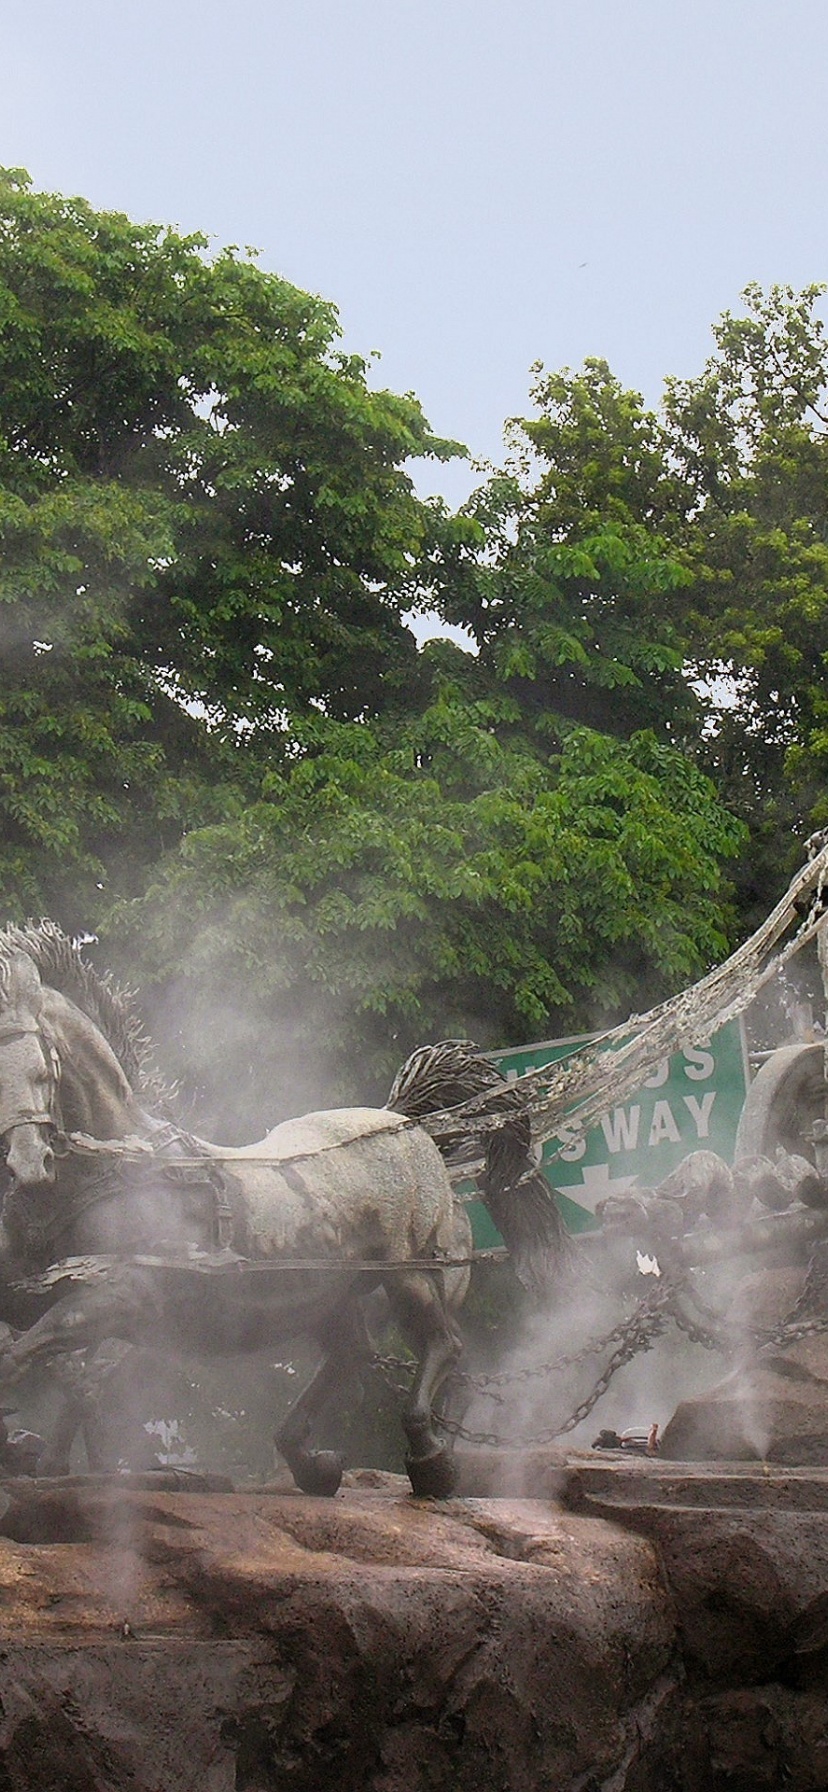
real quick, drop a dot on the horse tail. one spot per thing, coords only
(516, 1194)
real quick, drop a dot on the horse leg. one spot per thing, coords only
(344, 1342)
(122, 1305)
(83, 1388)
(418, 1299)
(55, 1459)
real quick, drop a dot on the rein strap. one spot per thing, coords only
(24, 1117)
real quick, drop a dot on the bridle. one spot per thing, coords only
(23, 1116)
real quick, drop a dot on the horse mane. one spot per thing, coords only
(109, 1005)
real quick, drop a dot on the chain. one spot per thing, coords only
(814, 1293)
(700, 1334)
(640, 1339)
(631, 1336)
(703, 1326)
(641, 1335)
(801, 1321)
(789, 1331)
(485, 1384)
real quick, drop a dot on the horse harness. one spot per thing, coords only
(118, 1173)
(19, 1028)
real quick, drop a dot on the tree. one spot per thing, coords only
(219, 744)
(672, 570)
(203, 508)
(577, 604)
(380, 895)
(749, 440)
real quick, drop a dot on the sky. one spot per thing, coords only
(478, 185)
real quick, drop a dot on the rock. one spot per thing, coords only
(774, 1408)
(757, 1179)
(746, 1584)
(248, 1642)
(762, 1301)
(702, 1183)
(802, 1181)
(668, 1629)
(534, 1474)
(745, 1554)
(767, 1737)
(780, 1182)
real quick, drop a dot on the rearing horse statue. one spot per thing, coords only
(207, 1250)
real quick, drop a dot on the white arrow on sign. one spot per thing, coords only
(596, 1183)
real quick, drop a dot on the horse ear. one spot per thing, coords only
(20, 987)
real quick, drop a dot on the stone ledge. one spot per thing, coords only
(609, 1485)
(220, 1641)
(744, 1553)
(670, 1631)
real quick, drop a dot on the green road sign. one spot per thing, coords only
(690, 1102)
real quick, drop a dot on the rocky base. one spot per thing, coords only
(773, 1407)
(743, 1550)
(665, 1629)
(221, 1642)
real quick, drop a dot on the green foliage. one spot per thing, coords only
(578, 604)
(375, 897)
(219, 744)
(672, 571)
(202, 502)
(748, 439)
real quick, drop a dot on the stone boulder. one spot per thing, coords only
(744, 1552)
(666, 1627)
(214, 1641)
(773, 1408)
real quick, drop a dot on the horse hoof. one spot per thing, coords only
(319, 1473)
(432, 1477)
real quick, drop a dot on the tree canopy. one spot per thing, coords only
(220, 747)
(453, 883)
(205, 522)
(576, 605)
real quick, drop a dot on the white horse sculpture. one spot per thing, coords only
(251, 1245)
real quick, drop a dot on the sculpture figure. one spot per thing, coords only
(132, 1228)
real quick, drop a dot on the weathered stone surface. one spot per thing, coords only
(536, 1474)
(744, 1551)
(745, 1556)
(615, 1484)
(666, 1632)
(761, 1300)
(745, 1585)
(767, 1737)
(241, 1642)
(774, 1409)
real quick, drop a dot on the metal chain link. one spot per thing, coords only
(633, 1335)
(789, 1331)
(700, 1334)
(641, 1337)
(488, 1384)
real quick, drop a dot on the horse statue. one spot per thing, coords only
(127, 1227)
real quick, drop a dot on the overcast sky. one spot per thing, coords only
(476, 184)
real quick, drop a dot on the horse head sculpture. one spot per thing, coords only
(313, 1218)
(29, 1075)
